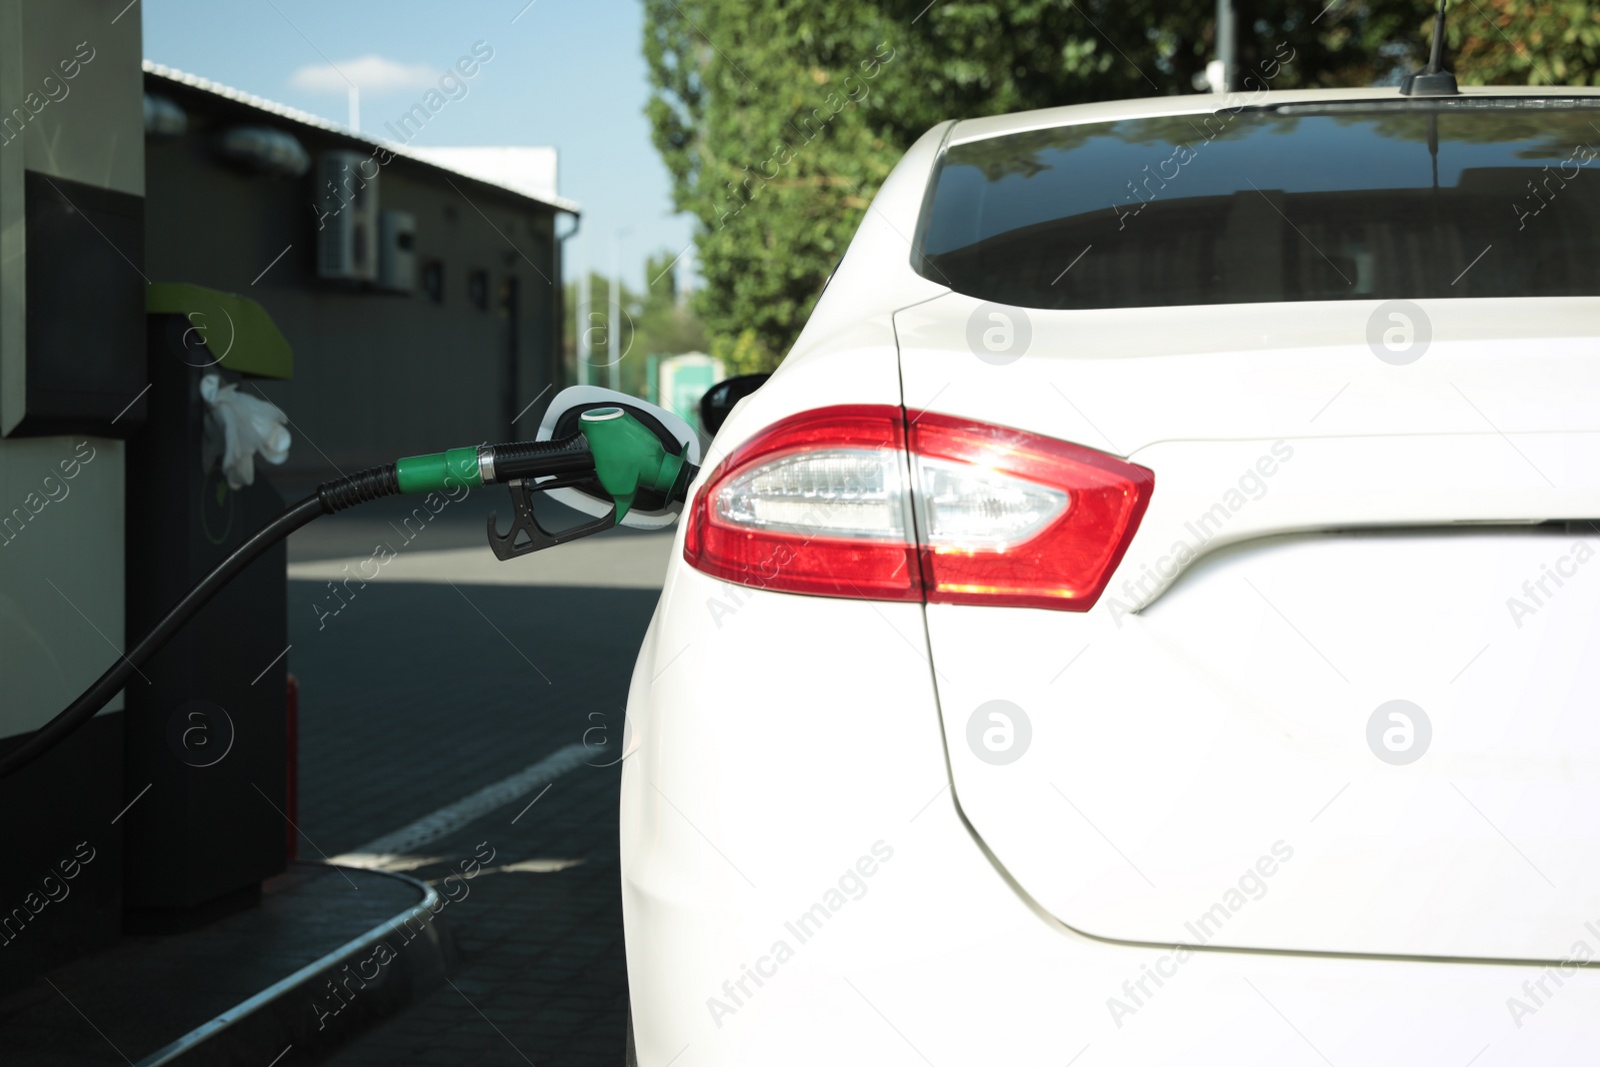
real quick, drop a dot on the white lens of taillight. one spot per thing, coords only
(963, 506)
(835, 492)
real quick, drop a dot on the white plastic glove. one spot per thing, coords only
(248, 425)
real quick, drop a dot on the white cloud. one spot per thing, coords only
(372, 74)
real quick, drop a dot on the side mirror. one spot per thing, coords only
(720, 398)
(651, 510)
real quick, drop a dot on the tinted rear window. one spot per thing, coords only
(1297, 203)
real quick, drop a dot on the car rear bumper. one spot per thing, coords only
(799, 886)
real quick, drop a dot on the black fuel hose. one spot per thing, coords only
(330, 497)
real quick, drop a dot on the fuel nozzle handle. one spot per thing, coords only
(536, 459)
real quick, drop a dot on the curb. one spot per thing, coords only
(331, 999)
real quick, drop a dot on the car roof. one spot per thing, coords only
(968, 130)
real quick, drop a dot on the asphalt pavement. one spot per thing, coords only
(444, 673)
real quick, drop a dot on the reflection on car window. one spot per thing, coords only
(1341, 202)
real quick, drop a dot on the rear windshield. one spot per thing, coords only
(1294, 203)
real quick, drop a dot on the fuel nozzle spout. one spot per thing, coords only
(628, 458)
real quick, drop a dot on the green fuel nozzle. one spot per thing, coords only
(612, 448)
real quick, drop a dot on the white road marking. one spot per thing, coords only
(408, 839)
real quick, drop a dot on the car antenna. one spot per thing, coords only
(1432, 80)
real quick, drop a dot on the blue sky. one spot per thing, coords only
(567, 73)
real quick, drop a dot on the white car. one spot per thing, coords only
(1151, 616)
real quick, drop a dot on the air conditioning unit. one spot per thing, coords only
(397, 251)
(347, 217)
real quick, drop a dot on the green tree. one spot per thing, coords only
(1517, 42)
(779, 119)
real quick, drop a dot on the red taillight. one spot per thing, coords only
(844, 501)
(1065, 564)
(830, 527)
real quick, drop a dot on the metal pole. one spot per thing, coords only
(1227, 44)
(581, 317)
(614, 331)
